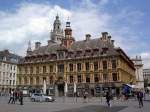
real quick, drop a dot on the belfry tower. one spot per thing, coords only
(68, 40)
(57, 32)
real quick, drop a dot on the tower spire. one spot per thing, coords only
(29, 50)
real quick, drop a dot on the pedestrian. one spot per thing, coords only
(140, 98)
(108, 98)
(12, 97)
(16, 97)
(84, 97)
(21, 98)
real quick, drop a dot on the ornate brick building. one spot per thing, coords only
(69, 66)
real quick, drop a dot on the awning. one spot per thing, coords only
(131, 86)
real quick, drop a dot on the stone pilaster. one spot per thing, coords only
(28, 80)
(34, 80)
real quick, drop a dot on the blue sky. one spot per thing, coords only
(126, 20)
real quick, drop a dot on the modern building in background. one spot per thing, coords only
(69, 66)
(146, 74)
(8, 70)
(139, 71)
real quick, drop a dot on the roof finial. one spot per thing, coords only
(57, 16)
(68, 18)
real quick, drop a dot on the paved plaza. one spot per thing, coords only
(74, 105)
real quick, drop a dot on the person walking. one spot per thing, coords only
(108, 98)
(12, 97)
(84, 97)
(21, 98)
(140, 98)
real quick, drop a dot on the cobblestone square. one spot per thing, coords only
(70, 105)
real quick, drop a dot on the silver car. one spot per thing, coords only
(38, 97)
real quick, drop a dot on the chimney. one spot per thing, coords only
(109, 37)
(87, 37)
(136, 57)
(112, 42)
(104, 35)
(37, 45)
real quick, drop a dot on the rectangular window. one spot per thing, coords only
(114, 64)
(79, 78)
(70, 67)
(13, 82)
(95, 66)
(44, 69)
(61, 68)
(96, 78)
(10, 82)
(114, 76)
(37, 70)
(11, 67)
(14, 75)
(88, 77)
(71, 79)
(87, 65)
(105, 76)
(51, 68)
(78, 67)
(61, 55)
(104, 64)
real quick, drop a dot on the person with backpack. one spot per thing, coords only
(140, 98)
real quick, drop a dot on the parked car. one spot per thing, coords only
(38, 97)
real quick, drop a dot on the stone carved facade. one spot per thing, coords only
(90, 64)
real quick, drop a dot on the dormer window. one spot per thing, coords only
(87, 52)
(95, 51)
(78, 53)
(53, 56)
(70, 54)
(104, 50)
(61, 55)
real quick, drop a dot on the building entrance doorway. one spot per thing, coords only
(61, 90)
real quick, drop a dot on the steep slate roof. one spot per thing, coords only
(9, 56)
(78, 45)
(49, 49)
(94, 44)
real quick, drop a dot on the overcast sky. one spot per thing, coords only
(127, 21)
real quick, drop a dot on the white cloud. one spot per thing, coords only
(34, 21)
(146, 59)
